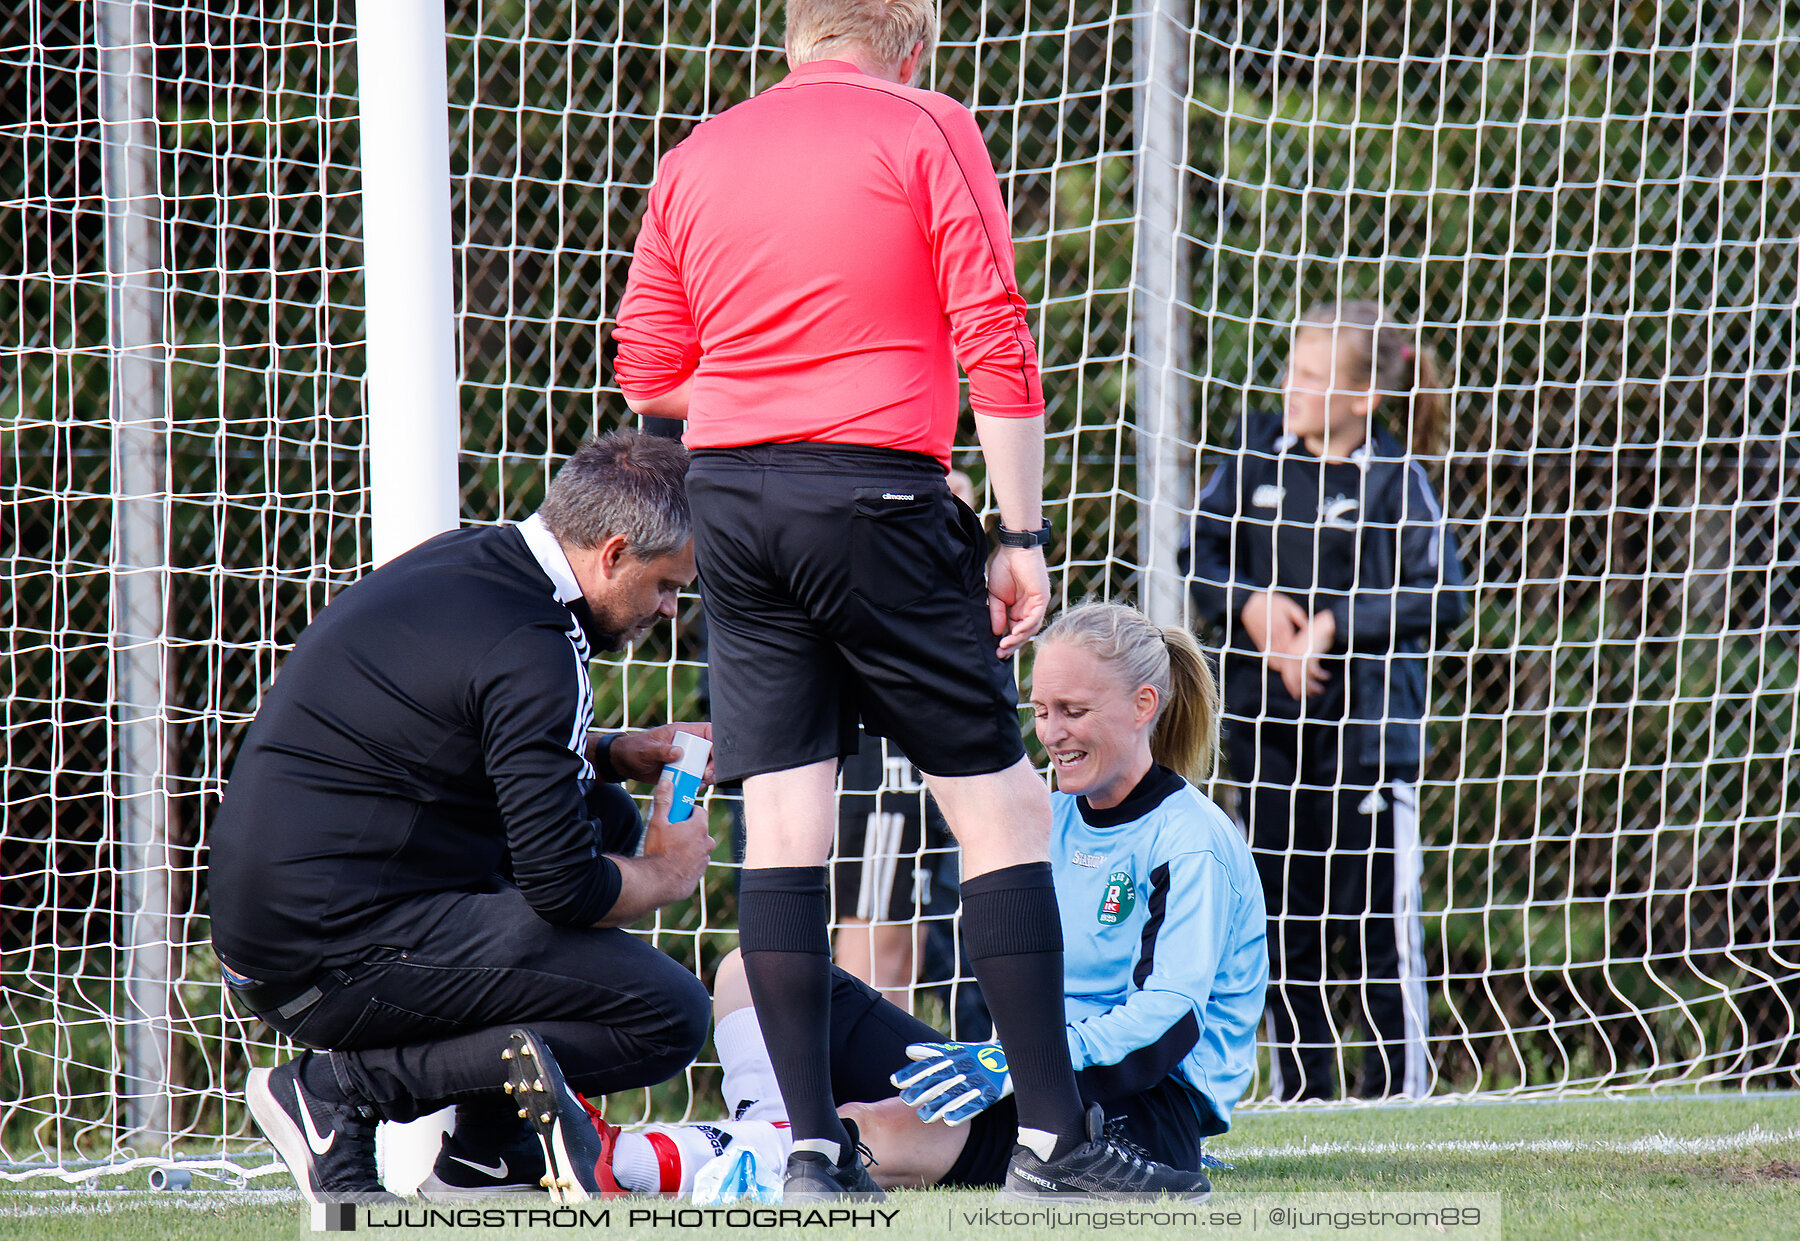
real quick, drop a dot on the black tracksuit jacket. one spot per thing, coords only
(425, 736)
(1366, 538)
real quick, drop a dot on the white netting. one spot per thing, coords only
(1592, 211)
(182, 556)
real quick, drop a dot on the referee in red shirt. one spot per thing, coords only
(812, 266)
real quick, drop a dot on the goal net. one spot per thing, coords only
(1589, 210)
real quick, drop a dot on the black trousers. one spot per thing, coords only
(412, 1030)
(1322, 829)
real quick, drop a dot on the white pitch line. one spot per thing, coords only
(1657, 1144)
(28, 1204)
(89, 1172)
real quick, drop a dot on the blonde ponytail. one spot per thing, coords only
(1186, 739)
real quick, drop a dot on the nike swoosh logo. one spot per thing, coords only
(498, 1171)
(319, 1145)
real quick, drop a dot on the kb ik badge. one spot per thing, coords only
(1120, 896)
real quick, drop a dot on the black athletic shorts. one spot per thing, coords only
(844, 583)
(893, 846)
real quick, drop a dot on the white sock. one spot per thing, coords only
(1040, 1142)
(635, 1165)
(821, 1146)
(749, 1086)
(665, 1158)
(771, 1140)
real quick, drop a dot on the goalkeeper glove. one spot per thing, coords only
(953, 1082)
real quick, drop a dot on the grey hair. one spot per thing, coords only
(1184, 736)
(625, 483)
(885, 29)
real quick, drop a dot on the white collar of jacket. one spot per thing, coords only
(550, 558)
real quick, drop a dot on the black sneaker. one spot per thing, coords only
(1104, 1167)
(811, 1177)
(577, 1144)
(328, 1147)
(467, 1167)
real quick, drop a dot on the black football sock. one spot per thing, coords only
(1014, 936)
(320, 1079)
(489, 1123)
(783, 916)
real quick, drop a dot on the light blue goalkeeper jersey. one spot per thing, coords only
(1165, 947)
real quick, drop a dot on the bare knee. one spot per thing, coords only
(909, 1153)
(790, 816)
(731, 989)
(887, 1144)
(853, 950)
(882, 954)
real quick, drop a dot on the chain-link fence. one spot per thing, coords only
(1590, 210)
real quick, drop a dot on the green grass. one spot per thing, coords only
(1628, 1168)
(1671, 1167)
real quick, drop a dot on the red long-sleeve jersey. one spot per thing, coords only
(818, 259)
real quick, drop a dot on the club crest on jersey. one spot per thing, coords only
(1269, 495)
(1118, 900)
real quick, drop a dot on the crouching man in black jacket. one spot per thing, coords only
(423, 859)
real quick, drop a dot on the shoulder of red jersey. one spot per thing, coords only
(934, 102)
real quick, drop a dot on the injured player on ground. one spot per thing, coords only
(1162, 1038)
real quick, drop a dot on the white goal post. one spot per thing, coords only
(1591, 211)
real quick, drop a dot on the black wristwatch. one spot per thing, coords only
(1026, 538)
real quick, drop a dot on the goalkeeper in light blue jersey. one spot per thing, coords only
(1166, 957)
(1167, 960)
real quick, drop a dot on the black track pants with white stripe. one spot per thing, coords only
(1337, 849)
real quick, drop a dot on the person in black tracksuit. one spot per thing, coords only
(1321, 550)
(421, 849)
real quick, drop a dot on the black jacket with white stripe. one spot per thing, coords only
(425, 736)
(1365, 538)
